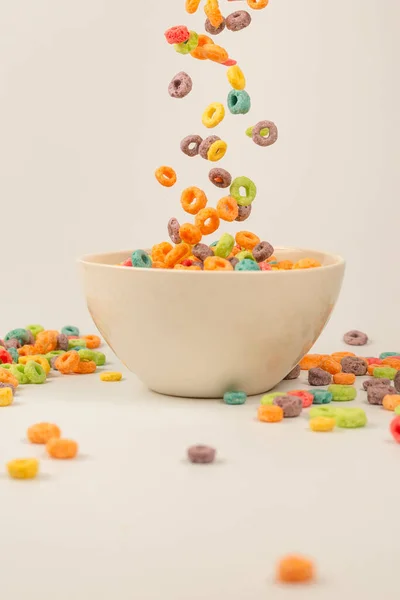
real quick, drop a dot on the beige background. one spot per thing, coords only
(85, 118)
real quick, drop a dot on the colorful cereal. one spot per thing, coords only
(23, 468)
(342, 393)
(322, 424)
(270, 413)
(61, 448)
(294, 569)
(201, 454)
(111, 376)
(235, 397)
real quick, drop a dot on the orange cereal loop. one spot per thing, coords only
(160, 251)
(158, 265)
(180, 252)
(213, 13)
(191, 6)
(270, 414)
(227, 208)
(85, 367)
(284, 265)
(41, 433)
(215, 263)
(391, 401)
(46, 341)
(207, 220)
(215, 53)
(331, 366)
(310, 361)
(295, 569)
(92, 341)
(27, 350)
(184, 268)
(339, 355)
(166, 176)
(68, 362)
(391, 361)
(61, 448)
(247, 240)
(272, 259)
(344, 378)
(190, 234)
(199, 51)
(193, 200)
(307, 263)
(257, 4)
(7, 377)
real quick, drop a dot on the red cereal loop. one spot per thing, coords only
(395, 429)
(306, 397)
(177, 34)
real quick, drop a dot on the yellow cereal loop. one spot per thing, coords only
(236, 77)
(217, 150)
(40, 360)
(322, 424)
(23, 468)
(111, 376)
(213, 115)
(6, 396)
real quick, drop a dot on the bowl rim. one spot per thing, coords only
(90, 260)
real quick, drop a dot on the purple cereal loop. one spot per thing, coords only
(234, 261)
(355, 338)
(262, 251)
(244, 213)
(218, 173)
(173, 230)
(238, 20)
(62, 342)
(201, 454)
(198, 264)
(206, 145)
(181, 85)
(188, 141)
(354, 364)
(376, 393)
(294, 373)
(13, 343)
(213, 30)
(265, 141)
(375, 381)
(53, 362)
(7, 385)
(397, 381)
(291, 405)
(317, 377)
(202, 251)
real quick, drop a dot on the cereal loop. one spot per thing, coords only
(68, 362)
(215, 263)
(247, 240)
(28, 350)
(111, 376)
(236, 77)
(7, 377)
(46, 341)
(257, 4)
(160, 251)
(23, 468)
(207, 220)
(270, 414)
(85, 367)
(191, 6)
(190, 234)
(331, 366)
(41, 433)
(249, 188)
(322, 424)
(213, 13)
(180, 252)
(227, 209)
(166, 176)
(215, 53)
(92, 341)
(217, 151)
(61, 448)
(193, 200)
(199, 52)
(307, 263)
(391, 401)
(294, 569)
(310, 361)
(213, 115)
(344, 378)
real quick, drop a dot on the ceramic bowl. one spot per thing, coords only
(199, 334)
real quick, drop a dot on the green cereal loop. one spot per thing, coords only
(75, 343)
(224, 246)
(5, 366)
(387, 354)
(321, 396)
(52, 354)
(247, 265)
(22, 335)
(250, 189)
(13, 352)
(323, 411)
(397, 410)
(386, 372)
(19, 373)
(268, 399)
(97, 357)
(35, 372)
(264, 132)
(141, 260)
(351, 418)
(188, 46)
(235, 398)
(245, 254)
(34, 329)
(342, 393)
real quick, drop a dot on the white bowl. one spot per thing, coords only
(199, 334)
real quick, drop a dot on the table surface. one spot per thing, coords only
(132, 518)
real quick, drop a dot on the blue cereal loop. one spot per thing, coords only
(247, 265)
(235, 398)
(140, 259)
(239, 102)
